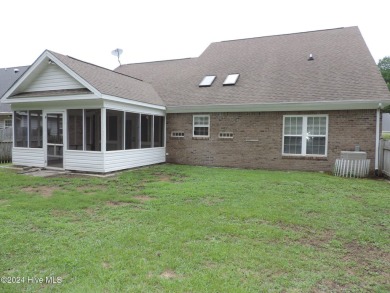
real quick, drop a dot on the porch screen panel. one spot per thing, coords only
(132, 131)
(75, 130)
(146, 131)
(158, 131)
(114, 130)
(35, 125)
(21, 126)
(92, 130)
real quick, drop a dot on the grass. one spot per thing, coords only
(172, 228)
(386, 136)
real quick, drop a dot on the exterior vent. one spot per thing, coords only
(311, 58)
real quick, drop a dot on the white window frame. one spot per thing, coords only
(5, 123)
(207, 81)
(203, 125)
(306, 135)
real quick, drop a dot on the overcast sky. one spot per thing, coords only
(149, 30)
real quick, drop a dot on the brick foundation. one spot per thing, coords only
(257, 141)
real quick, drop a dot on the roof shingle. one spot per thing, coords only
(272, 69)
(112, 83)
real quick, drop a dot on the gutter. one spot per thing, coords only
(377, 138)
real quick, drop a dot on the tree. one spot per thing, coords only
(384, 67)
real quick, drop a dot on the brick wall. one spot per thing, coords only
(257, 141)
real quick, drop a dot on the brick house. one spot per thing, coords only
(289, 102)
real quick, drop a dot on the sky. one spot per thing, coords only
(150, 30)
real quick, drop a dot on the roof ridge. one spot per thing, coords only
(101, 67)
(14, 67)
(167, 60)
(279, 35)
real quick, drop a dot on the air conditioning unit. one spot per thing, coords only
(348, 155)
(352, 164)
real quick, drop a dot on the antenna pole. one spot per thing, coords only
(117, 50)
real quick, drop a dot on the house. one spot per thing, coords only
(7, 77)
(386, 123)
(290, 102)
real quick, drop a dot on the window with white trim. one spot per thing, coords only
(305, 135)
(8, 123)
(201, 126)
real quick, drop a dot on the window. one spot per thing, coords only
(207, 80)
(231, 79)
(132, 131)
(21, 126)
(8, 123)
(146, 131)
(114, 130)
(92, 129)
(28, 128)
(177, 134)
(305, 135)
(75, 130)
(158, 131)
(201, 126)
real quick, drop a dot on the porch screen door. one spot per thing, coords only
(55, 142)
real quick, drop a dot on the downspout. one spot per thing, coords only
(378, 119)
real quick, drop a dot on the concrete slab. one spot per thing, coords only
(37, 172)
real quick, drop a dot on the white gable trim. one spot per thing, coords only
(74, 75)
(51, 99)
(45, 57)
(132, 102)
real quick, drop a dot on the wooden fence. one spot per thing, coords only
(6, 145)
(385, 157)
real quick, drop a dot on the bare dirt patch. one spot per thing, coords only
(168, 274)
(318, 240)
(165, 178)
(116, 204)
(59, 213)
(106, 265)
(44, 191)
(3, 201)
(112, 203)
(329, 286)
(369, 257)
(210, 201)
(143, 198)
(312, 237)
(88, 189)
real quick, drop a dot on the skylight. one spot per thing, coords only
(207, 80)
(231, 79)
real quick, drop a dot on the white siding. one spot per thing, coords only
(386, 122)
(84, 161)
(28, 157)
(119, 160)
(53, 78)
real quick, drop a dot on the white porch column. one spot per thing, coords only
(103, 130)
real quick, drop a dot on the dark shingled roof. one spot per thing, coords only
(112, 83)
(272, 69)
(7, 79)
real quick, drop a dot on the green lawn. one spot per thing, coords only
(172, 228)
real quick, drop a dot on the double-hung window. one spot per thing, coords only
(305, 135)
(201, 126)
(7, 123)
